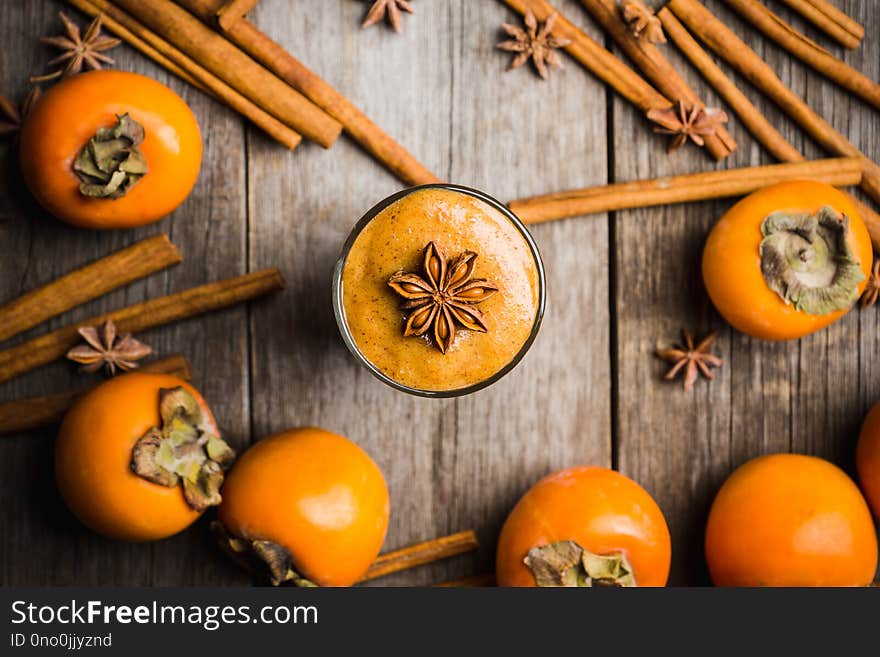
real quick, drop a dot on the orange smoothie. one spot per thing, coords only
(452, 271)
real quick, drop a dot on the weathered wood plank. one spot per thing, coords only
(613, 293)
(440, 89)
(46, 545)
(806, 396)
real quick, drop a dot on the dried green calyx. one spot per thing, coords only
(186, 450)
(112, 162)
(807, 260)
(261, 558)
(567, 564)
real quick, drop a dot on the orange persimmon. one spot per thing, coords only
(310, 504)
(764, 240)
(868, 459)
(67, 118)
(592, 516)
(790, 520)
(95, 452)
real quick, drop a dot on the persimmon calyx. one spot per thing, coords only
(112, 162)
(807, 260)
(567, 564)
(186, 450)
(262, 558)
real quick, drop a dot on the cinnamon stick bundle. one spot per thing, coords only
(223, 59)
(163, 53)
(830, 20)
(682, 189)
(422, 553)
(748, 114)
(90, 282)
(274, 57)
(36, 412)
(656, 68)
(807, 50)
(596, 59)
(720, 39)
(141, 317)
(132, 39)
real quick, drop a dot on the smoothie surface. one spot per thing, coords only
(395, 240)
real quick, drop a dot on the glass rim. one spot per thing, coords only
(339, 309)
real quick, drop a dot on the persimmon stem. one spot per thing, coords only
(112, 162)
(807, 260)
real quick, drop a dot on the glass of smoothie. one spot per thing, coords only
(439, 291)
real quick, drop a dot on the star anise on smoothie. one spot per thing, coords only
(78, 51)
(12, 116)
(872, 289)
(693, 359)
(444, 296)
(389, 10)
(105, 348)
(642, 21)
(535, 42)
(687, 122)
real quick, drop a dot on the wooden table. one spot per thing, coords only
(590, 390)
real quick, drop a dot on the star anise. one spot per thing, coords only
(78, 51)
(642, 21)
(692, 359)
(685, 122)
(12, 116)
(872, 289)
(537, 43)
(447, 294)
(389, 10)
(105, 348)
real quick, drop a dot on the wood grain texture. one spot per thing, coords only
(589, 391)
(807, 396)
(89, 282)
(47, 545)
(149, 314)
(32, 413)
(439, 89)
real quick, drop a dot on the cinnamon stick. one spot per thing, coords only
(422, 553)
(720, 39)
(830, 20)
(650, 60)
(682, 189)
(232, 10)
(274, 57)
(807, 50)
(596, 59)
(141, 317)
(223, 59)
(163, 53)
(36, 412)
(486, 579)
(748, 114)
(86, 7)
(90, 282)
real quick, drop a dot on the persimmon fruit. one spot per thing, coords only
(584, 526)
(306, 505)
(787, 260)
(790, 520)
(868, 459)
(113, 432)
(140, 142)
